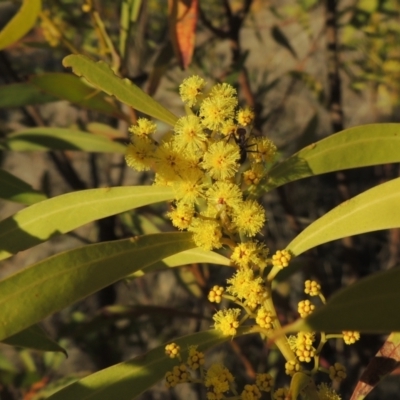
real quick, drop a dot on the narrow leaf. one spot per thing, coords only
(45, 139)
(69, 87)
(135, 9)
(373, 210)
(360, 146)
(385, 361)
(370, 305)
(100, 75)
(22, 94)
(106, 131)
(183, 17)
(15, 189)
(282, 40)
(127, 380)
(62, 214)
(21, 23)
(34, 338)
(187, 257)
(61, 280)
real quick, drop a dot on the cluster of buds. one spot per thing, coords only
(182, 373)
(217, 379)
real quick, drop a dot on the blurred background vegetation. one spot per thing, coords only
(308, 68)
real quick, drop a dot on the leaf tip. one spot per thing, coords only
(66, 61)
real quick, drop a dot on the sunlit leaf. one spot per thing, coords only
(187, 257)
(45, 139)
(373, 210)
(105, 130)
(34, 338)
(61, 280)
(370, 305)
(100, 75)
(15, 189)
(127, 380)
(360, 146)
(62, 214)
(71, 88)
(21, 23)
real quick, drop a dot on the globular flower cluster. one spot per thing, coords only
(217, 380)
(179, 374)
(182, 373)
(264, 382)
(291, 367)
(312, 288)
(251, 392)
(350, 337)
(172, 350)
(247, 287)
(302, 345)
(265, 318)
(281, 258)
(203, 161)
(305, 308)
(195, 359)
(215, 294)
(227, 321)
(337, 372)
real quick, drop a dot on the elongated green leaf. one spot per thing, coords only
(102, 77)
(127, 380)
(352, 148)
(370, 305)
(185, 258)
(45, 139)
(21, 23)
(105, 130)
(34, 338)
(22, 94)
(373, 210)
(62, 214)
(71, 88)
(61, 280)
(15, 189)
